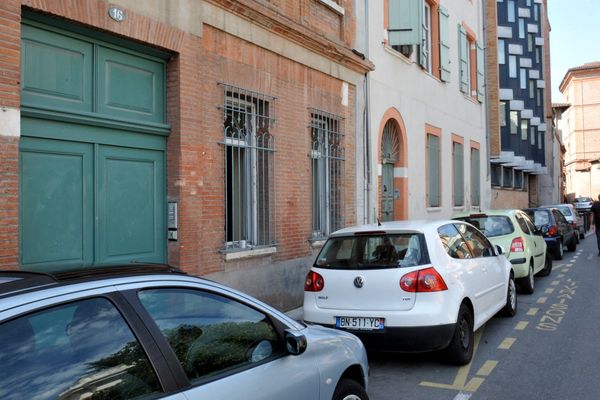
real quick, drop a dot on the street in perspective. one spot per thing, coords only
(299, 199)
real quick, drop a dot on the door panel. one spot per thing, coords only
(56, 203)
(130, 205)
(387, 192)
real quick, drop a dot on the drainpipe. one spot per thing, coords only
(487, 114)
(367, 129)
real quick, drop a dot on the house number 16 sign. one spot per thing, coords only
(116, 13)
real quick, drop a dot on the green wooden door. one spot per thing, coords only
(57, 205)
(92, 150)
(387, 192)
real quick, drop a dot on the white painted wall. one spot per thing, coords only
(422, 99)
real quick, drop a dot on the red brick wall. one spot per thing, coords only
(10, 31)
(195, 159)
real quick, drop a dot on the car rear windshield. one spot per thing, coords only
(539, 217)
(565, 210)
(583, 200)
(379, 251)
(491, 225)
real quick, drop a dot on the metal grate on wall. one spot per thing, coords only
(328, 172)
(250, 195)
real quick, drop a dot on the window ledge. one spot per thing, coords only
(334, 6)
(436, 209)
(231, 255)
(458, 208)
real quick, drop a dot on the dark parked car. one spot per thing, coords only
(557, 231)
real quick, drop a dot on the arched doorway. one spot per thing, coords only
(390, 155)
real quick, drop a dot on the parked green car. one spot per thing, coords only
(523, 244)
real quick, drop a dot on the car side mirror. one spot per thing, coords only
(295, 342)
(499, 250)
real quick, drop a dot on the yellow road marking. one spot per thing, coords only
(555, 283)
(507, 343)
(564, 270)
(474, 384)
(561, 276)
(521, 325)
(533, 311)
(542, 300)
(549, 290)
(487, 368)
(460, 382)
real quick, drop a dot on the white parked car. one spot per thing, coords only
(410, 285)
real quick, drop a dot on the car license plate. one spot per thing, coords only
(366, 323)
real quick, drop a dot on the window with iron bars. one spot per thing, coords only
(250, 212)
(328, 173)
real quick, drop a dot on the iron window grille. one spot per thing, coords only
(250, 196)
(328, 173)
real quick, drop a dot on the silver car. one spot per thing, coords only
(156, 333)
(583, 203)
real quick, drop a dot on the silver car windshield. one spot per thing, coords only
(374, 251)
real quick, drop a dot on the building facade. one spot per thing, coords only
(581, 130)
(520, 113)
(426, 154)
(217, 136)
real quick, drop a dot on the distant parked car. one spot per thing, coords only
(583, 203)
(410, 285)
(557, 231)
(152, 332)
(572, 216)
(523, 243)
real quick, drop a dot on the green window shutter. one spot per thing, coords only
(444, 19)
(463, 50)
(458, 174)
(475, 177)
(405, 22)
(480, 73)
(433, 171)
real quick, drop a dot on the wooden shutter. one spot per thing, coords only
(463, 52)
(444, 19)
(433, 171)
(475, 196)
(405, 18)
(480, 73)
(458, 174)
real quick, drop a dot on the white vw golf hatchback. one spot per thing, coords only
(410, 285)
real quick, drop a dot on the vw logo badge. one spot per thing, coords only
(359, 281)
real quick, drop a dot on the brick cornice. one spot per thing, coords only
(281, 25)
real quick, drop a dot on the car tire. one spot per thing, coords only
(460, 349)
(510, 309)
(573, 244)
(558, 253)
(547, 267)
(527, 284)
(348, 389)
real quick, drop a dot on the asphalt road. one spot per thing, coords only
(549, 350)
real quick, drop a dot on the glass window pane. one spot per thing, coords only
(478, 244)
(453, 242)
(211, 334)
(524, 127)
(512, 66)
(507, 177)
(531, 89)
(514, 121)
(521, 28)
(496, 175)
(80, 350)
(523, 78)
(501, 52)
(511, 10)
(502, 113)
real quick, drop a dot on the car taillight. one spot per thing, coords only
(424, 280)
(553, 230)
(517, 245)
(314, 282)
(574, 225)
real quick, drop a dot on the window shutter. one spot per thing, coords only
(444, 45)
(480, 73)
(458, 175)
(475, 177)
(463, 54)
(433, 172)
(405, 22)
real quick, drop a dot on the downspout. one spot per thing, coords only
(367, 130)
(486, 108)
